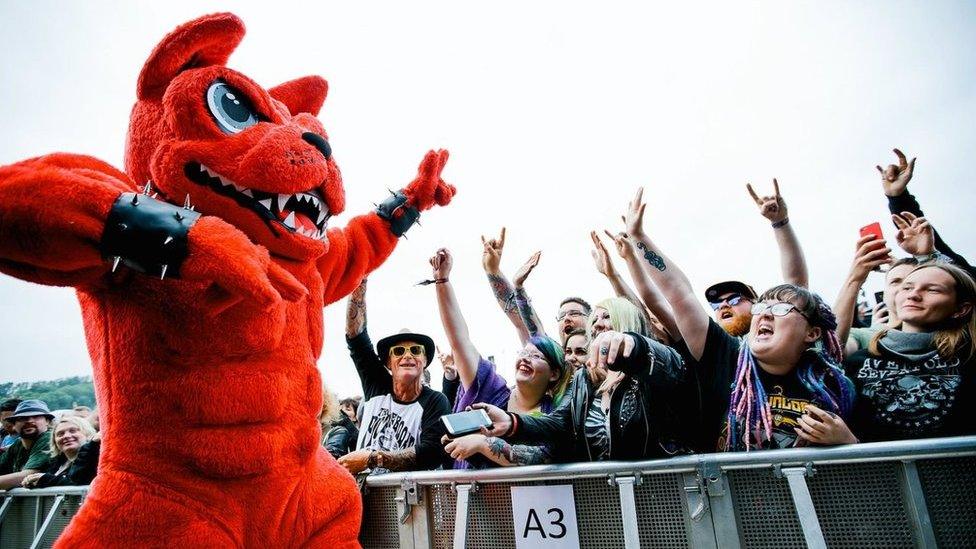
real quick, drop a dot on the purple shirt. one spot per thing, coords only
(488, 387)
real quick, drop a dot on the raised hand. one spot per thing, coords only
(625, 248)
(600, 257)
(428, 188)
(525, 270)
(772, 207)
(871, 253)
(491, 257)
(634, 218)
(895, 179)
(442, 263)
(915, 235)
(447, 363)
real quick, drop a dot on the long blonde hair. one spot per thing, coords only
(81, 423)
(956, 337)
(624, 317)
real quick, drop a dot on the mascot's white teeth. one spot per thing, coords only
(274, 206)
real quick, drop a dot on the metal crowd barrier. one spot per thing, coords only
(893, 494)
(35, 518)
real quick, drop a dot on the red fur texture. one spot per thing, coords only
(207, 384)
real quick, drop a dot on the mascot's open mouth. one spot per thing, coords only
(305, 213)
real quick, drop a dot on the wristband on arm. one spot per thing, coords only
(147, 235)
(408, 215)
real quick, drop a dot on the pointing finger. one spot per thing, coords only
(776, 188)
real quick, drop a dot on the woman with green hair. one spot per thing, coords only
(541, 377)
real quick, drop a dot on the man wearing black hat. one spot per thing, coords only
(29, 454)
(401, 427)
(732, 302)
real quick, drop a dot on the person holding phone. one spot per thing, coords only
(541, 377)
(401, 427)
(773, 389)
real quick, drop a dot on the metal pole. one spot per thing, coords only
(461, 515)
(47, 521)
(805, 511)
(918, 511)
(628, 511)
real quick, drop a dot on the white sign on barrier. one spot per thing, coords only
(545, 517)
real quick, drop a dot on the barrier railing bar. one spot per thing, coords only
(701, 532)
(40, 492)
(461, 514)
(58, 501)
(5, 507)
(628, 511)
(918, 511)
(853, 453)
(805, 511)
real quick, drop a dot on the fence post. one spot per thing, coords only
(803, 503)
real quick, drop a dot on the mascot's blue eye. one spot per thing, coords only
(230, 108)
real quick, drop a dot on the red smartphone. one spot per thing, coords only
(873, 229)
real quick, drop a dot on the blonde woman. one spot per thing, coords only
(74, 448)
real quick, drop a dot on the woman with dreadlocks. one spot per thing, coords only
(780, 386)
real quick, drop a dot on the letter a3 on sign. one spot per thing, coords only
(544, 517)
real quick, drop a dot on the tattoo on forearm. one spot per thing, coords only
(503, 292)
(525, 311)
(400, 460)
(500, 448)
(356, 312)
(652, 258)
(529, 455)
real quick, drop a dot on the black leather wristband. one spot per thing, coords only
(388, 210)
(147, 235)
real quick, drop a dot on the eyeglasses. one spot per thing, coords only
(570, 314)
(775, 309)
(530, 354)
(400, 350)
(732, 300)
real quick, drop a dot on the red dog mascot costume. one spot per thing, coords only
(204, 320)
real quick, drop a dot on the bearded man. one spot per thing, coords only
(29, 454)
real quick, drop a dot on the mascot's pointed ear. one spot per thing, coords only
(208, 40)
(304, 94)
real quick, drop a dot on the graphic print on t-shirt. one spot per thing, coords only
(785, 411)
(388, 425)
(910, 395)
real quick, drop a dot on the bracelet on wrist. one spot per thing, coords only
(781, 223)
(432, 281)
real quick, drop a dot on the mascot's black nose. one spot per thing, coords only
(319, 143)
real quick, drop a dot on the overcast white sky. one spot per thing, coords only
(554, 113)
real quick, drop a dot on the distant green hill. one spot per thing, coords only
(58, 393)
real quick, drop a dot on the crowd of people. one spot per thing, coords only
(645, 373)
(649, 373)
(40, 448)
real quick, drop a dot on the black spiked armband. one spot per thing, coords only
(388, 211)
(147, 235)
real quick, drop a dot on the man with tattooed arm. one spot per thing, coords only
(401, 427)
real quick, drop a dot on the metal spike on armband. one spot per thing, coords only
(147, 235)
(408, 214)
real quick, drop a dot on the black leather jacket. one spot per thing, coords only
(646, 410)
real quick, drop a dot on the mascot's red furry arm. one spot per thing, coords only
(202, 294)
